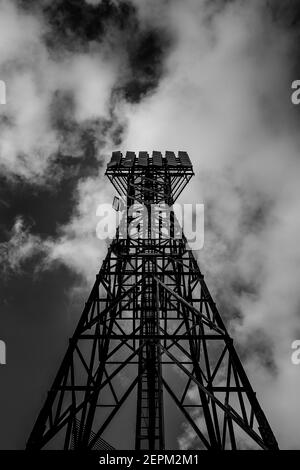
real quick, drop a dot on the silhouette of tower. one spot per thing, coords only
(150, 351)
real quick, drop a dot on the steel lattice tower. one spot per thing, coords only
(150, 330)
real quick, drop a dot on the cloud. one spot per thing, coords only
(93, 2)
(20, 247)
(26, 139)
(63, 82)
(77, 245)
(211, 78)
(225, 98)
(30, 139)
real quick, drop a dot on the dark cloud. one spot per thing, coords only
(286, 13)
(146, 59)
(76, 139)
(74, 26)
(37, 317)
(44, 209)
(261, 349)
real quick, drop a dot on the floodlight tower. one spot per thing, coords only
(150, 334)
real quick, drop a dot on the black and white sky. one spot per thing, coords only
(211, 77)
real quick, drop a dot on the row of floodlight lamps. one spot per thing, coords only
(143, 159)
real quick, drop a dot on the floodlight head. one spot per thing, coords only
(178, 168)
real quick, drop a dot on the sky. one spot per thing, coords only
(86, 77)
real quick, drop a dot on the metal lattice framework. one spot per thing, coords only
(150, 329)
